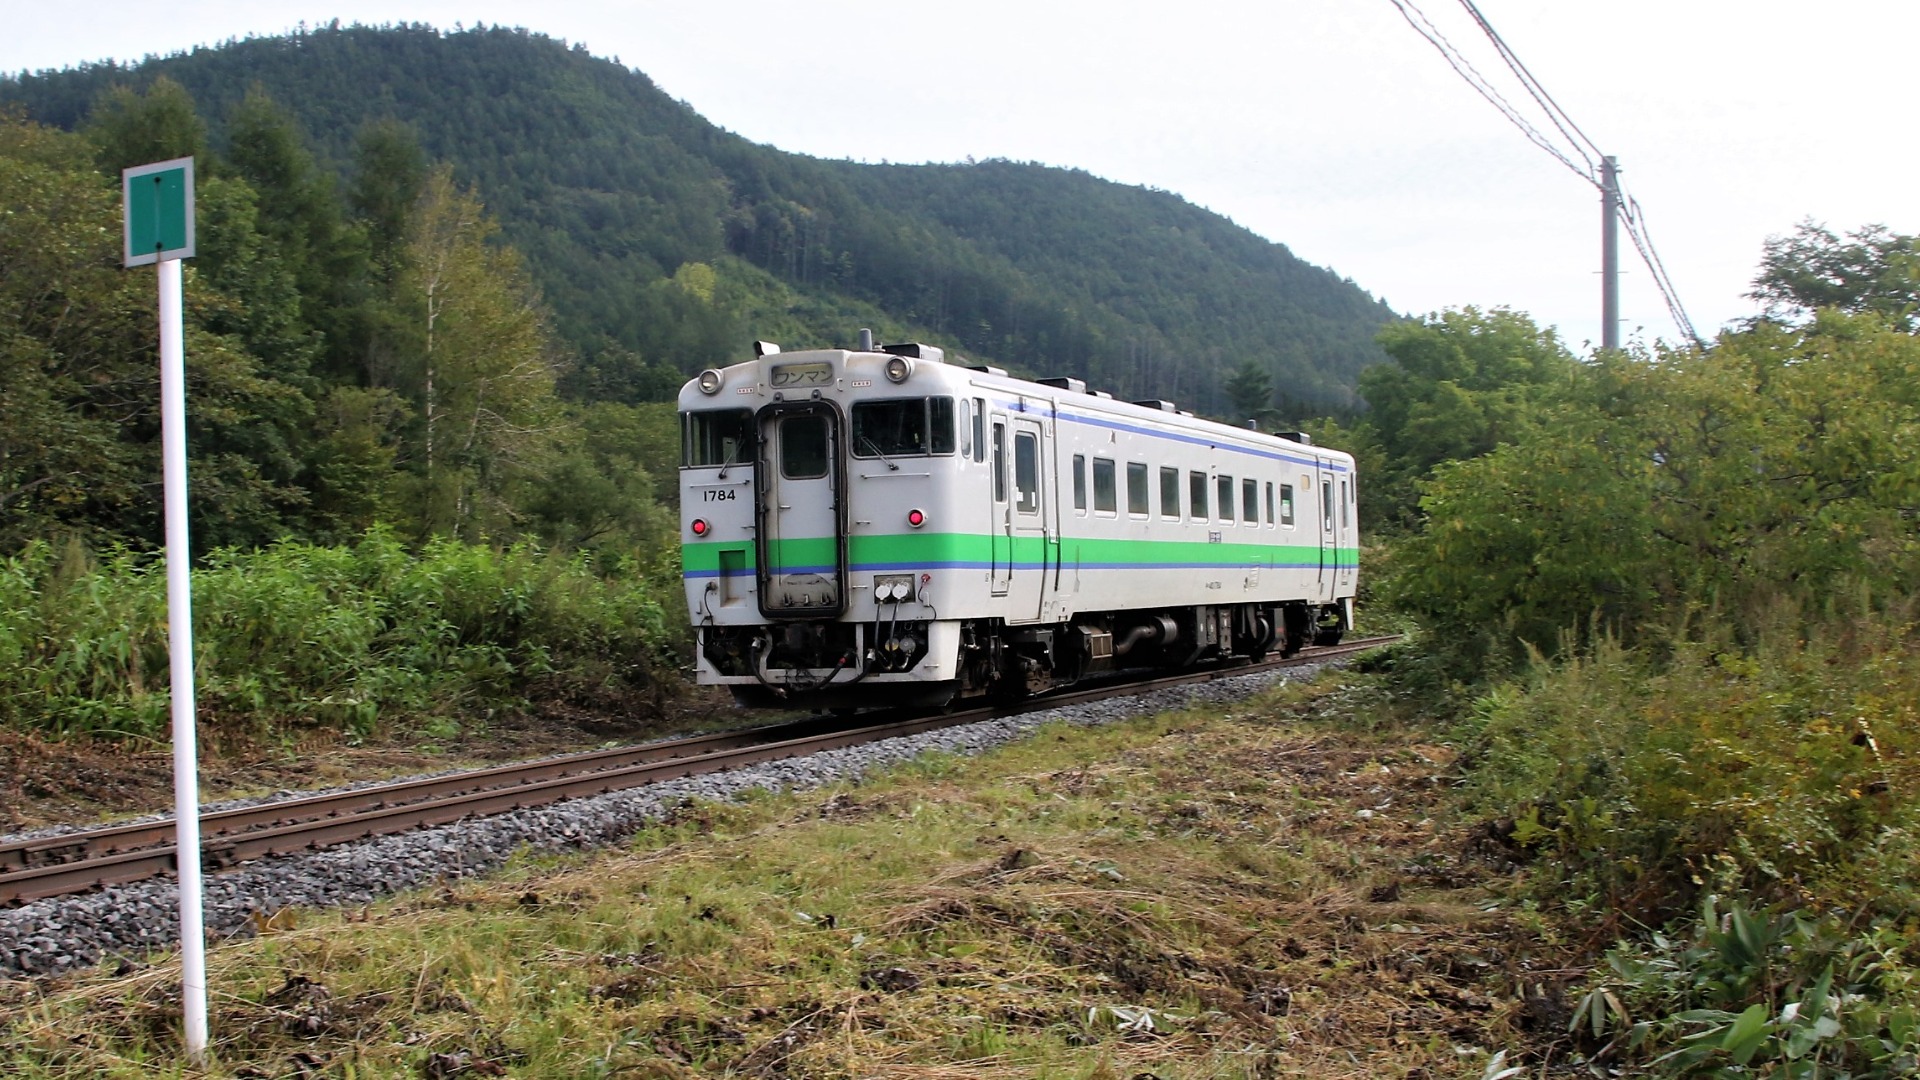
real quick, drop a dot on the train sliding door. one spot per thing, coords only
(1000, 511)
(1029, 522)
(1324, 479)
(1345, 535)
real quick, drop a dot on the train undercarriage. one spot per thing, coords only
(822, 664)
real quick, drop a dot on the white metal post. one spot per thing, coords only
(186, 757)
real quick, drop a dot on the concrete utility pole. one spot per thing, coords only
(1609, 253)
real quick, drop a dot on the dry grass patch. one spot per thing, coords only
(1187, 896)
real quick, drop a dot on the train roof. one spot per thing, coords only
(859, 374)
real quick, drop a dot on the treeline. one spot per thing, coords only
(400, 514)
(358, 353)
(1669, 593)
(609, 188)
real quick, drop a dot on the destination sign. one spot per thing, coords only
(818, 373)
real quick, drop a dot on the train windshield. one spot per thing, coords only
(716, 437)
(903, 427)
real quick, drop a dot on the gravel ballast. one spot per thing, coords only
(63, 934)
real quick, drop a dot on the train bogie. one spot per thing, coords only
(879, 526)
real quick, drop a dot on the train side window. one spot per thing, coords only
(999, 462)
(1026, 472)
(1104, 499)
(1345, 501)
(1269, 503)
(1169, 492)
(1250, 501)
(1223, 505)
(803, 447)
(1079, 481)
(1137, 488)
(1197, 496)
(979, 429)
(1326, 505)
(1286, 505)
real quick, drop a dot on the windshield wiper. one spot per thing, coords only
(729, 463)
(876, 453)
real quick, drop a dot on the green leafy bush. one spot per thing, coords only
(347, 636)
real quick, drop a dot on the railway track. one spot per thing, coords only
(116, 855)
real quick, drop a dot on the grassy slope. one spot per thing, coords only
(1259, 894)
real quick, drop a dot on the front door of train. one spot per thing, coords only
(802, 544)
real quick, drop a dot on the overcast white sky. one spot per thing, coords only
(1328, 125)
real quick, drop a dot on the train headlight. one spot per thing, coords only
(711, 381)
(700, 526)
(916, 519)
(898, 368)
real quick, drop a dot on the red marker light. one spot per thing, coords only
(699, 526)
(916, 519)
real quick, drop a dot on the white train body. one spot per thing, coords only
(879, 526)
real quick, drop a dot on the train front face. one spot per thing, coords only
(817, 509)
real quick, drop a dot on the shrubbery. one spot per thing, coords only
(1672, 629)
(1774, 773)
(298, 633)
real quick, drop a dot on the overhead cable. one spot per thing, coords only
(1464, 67)
(1568, 129)
(1575, 139)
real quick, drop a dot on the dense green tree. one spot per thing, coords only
(79, 375)
(1461, 383)
(1780, 467)
(599, 489)
(1871, 270)
(300, 211)
(389, 172)
(71, 337)
(1250, 395)
(130, 128)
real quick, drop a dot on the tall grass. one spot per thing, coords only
(301, 634)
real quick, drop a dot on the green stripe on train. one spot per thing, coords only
(936, 548)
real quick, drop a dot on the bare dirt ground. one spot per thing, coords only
(79, 781)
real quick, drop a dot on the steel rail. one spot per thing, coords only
(76, 862)
(216, 825)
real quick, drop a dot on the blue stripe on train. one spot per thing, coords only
(871, 567)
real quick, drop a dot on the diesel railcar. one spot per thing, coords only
(879, 526)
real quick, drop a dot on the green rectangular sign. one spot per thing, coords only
(159, 205)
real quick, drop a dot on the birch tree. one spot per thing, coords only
(487, 364)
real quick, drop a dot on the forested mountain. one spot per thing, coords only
(610, 189)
